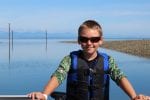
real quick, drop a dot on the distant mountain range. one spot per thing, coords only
(36, 35)
(42, 35)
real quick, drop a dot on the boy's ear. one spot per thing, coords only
(78, 42)
(101, 41)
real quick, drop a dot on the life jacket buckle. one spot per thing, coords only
(92, 71)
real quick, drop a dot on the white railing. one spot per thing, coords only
(14, 97)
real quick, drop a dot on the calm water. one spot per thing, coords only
(31, 66)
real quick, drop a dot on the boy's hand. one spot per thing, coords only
(37, 95)
(141, 97)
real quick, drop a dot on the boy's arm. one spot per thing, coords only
(56, 79)
(127, 88)
(119, 77)
(49, 88)
(51, 85)
(59, 75)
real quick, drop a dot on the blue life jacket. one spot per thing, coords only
(84, 83)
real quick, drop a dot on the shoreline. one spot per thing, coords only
(139, 48)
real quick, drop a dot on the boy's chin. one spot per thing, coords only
(90, 52)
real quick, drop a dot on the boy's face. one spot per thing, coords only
(90, 40)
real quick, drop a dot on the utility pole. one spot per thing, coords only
(9, 40)
(46, 40)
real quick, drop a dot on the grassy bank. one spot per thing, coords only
(134, 47)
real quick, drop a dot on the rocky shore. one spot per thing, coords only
(135, 47)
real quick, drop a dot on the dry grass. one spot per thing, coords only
(134, 47)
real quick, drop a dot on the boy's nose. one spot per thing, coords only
(89, 42)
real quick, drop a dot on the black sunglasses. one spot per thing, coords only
(85, 39)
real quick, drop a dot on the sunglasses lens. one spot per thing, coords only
(83, 39)
(92, 39)
(95, 39)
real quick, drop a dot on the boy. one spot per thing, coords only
(88, 70)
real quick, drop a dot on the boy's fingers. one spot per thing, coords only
(143, 97)
(147, 97)
(32, 95)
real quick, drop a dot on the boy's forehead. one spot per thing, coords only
(88, 31)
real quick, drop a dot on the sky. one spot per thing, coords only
(117, 17)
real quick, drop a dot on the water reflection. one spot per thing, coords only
(31, 66)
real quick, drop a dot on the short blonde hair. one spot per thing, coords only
(91, 24)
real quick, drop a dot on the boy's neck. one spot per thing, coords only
(89, 57)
